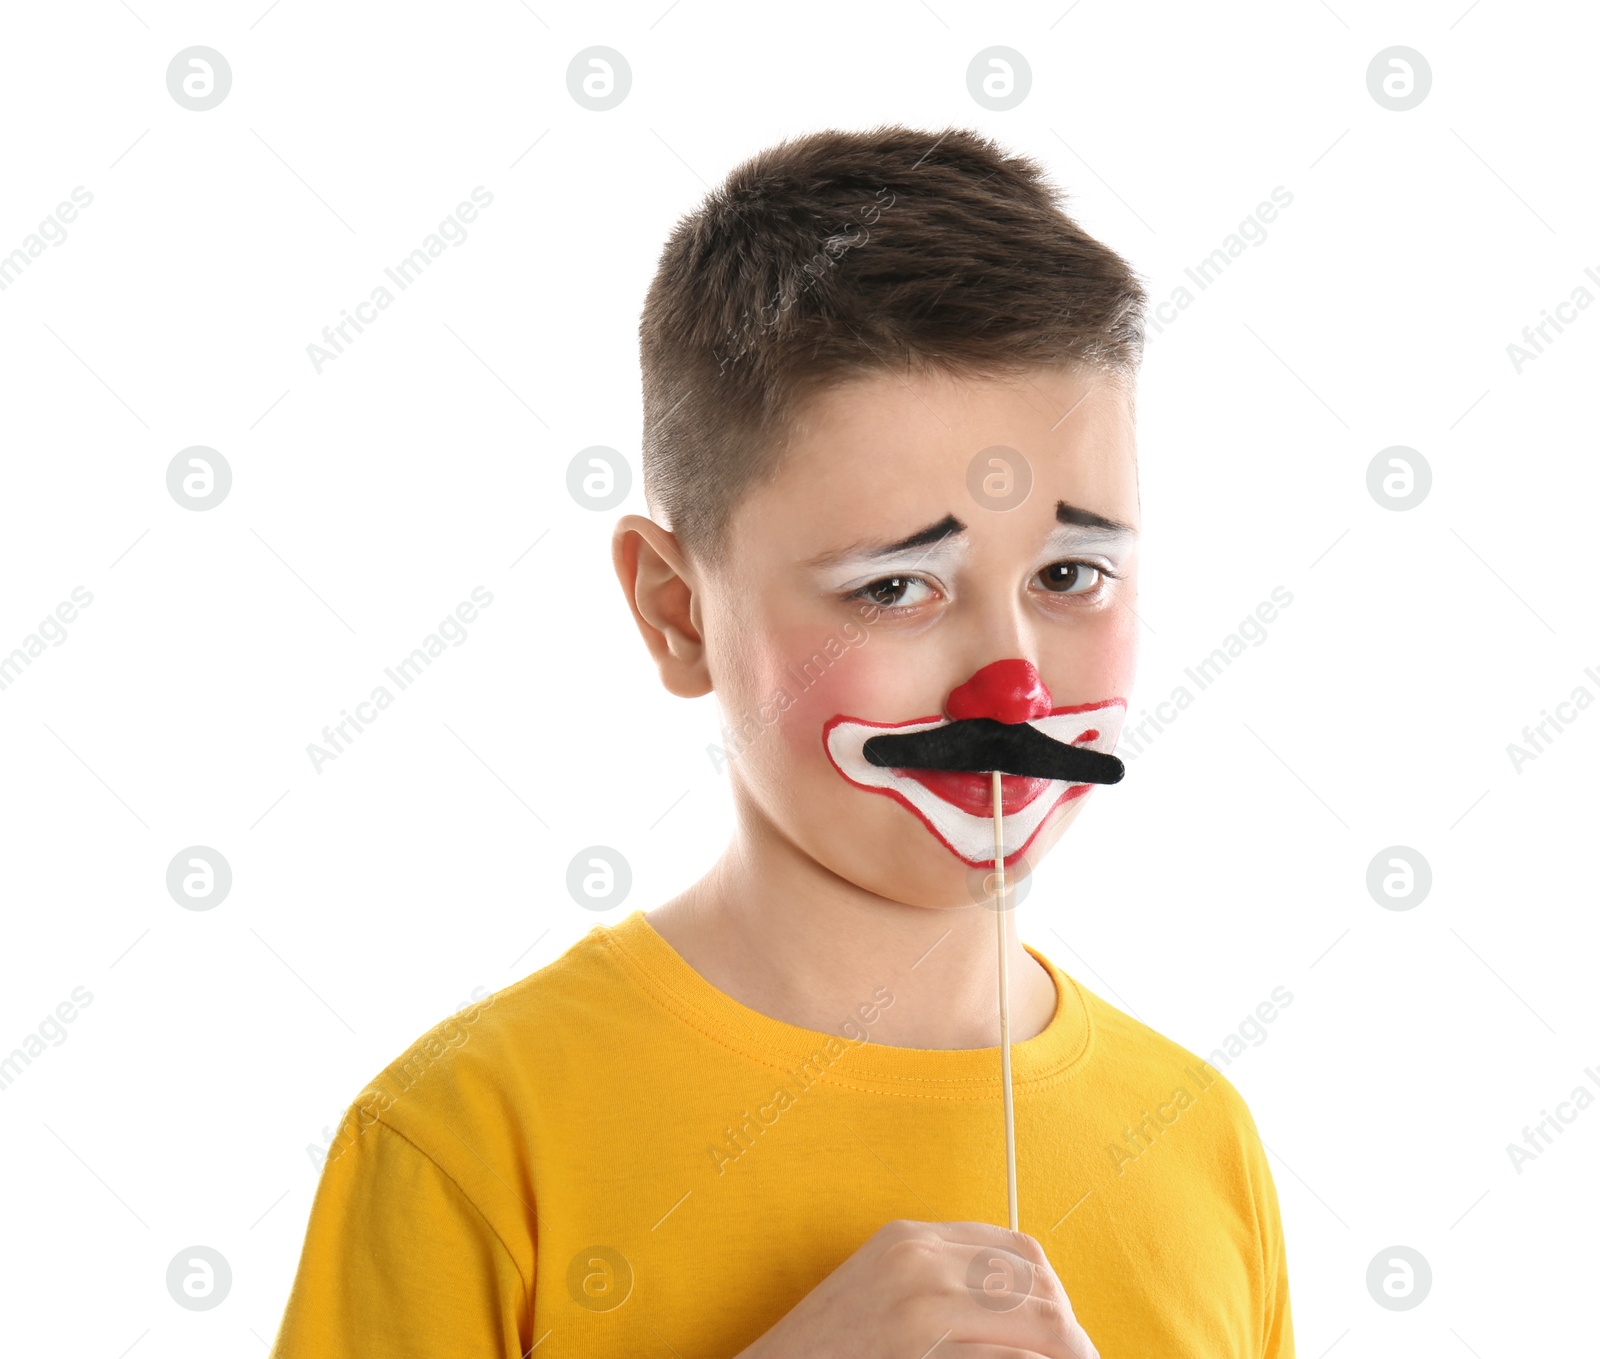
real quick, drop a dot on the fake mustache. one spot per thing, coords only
(980, 744)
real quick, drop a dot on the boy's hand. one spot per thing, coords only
(967, 1288)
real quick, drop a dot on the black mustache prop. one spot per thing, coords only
(980, 744)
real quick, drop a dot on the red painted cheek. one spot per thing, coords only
(1099, 669)
(848, 671)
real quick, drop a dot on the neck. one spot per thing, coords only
(774, 929)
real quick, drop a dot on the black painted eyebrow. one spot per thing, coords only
(921, 538)
(1072, 514)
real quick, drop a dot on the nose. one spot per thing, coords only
(1007, 691)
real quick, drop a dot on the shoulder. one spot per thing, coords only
(1175, 1124)
(468, 1091)
(1154, 1076)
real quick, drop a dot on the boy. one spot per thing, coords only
(889, 448)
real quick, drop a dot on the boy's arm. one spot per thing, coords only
(399, 1262)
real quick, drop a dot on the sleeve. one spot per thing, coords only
(399, 1262)
(1278, 1325)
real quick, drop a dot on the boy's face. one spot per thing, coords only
(887, 577)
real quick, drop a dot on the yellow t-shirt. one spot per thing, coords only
(613, 1157)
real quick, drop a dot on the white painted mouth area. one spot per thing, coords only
(971, 838)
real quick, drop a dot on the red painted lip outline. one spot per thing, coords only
(1076, 790)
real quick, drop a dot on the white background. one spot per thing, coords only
(370, 899)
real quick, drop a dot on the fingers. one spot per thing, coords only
(1079, 1347)
(981, 1350)
(1009, 1293)
(965, 1233)
(981, 1235)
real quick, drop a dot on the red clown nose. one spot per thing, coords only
(1006, 691)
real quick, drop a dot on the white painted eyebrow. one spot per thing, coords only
(941, 546)
(870, 564)
(1086, 536)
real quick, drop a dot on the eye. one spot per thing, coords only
(1071, 578)
(891, 592)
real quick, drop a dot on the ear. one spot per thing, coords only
(665, 603)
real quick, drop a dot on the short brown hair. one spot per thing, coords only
(841, 255)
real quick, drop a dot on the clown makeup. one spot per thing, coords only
(1079, 558)
(1083, 537)
(957, 806)
(866, 586)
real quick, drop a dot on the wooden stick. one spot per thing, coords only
(1001, 916)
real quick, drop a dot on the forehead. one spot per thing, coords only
(884, 453)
